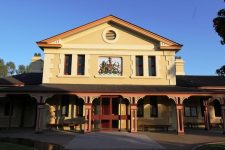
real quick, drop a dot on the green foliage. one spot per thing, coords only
(11, 68)
(21, 69)
(3, 68)
(219, 25)
(27, 68)
(221, 71)
(37, 54)
(219, 146)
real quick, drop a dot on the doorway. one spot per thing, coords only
(109, 112)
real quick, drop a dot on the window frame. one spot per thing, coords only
(152, 66)
(139, 66)
(190, 111)
(81, 64)
(68, 64)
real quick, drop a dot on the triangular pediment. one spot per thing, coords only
(93, 33)
(96, 35)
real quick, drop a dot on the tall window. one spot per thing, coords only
(154, 106)
(67, 64)
(65, 105)
(140, 108)
(139, 66)
(151, 66)
(79, 107)
(217, 108)
(202, 107)
(8, 109)
(80, 64)
(190, 111)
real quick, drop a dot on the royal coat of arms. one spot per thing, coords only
(110, 66)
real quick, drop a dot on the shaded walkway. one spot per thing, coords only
(112, 140)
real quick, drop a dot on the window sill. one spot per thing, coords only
(105, 76)
(73, 76)
(145, 77)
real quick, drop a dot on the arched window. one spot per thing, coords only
(217, 108)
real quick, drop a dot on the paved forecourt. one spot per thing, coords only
(112, 140)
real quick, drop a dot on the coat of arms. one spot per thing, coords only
(110, 66)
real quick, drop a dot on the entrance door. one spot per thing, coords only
(107, 113)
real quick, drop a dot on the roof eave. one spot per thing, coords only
(43, 45)
(172, 47)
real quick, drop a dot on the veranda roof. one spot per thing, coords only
(98, 88)
(32, 82)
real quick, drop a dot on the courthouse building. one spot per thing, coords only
(112, 75)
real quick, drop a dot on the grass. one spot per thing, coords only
(11, 146)
(220, 146)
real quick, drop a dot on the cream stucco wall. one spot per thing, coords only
(91, 44)
(166, 113)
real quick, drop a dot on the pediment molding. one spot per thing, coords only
(54, 41)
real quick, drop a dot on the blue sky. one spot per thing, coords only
(188, 22)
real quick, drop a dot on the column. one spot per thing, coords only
(180, 118)
(42, 107)
(87, 125)
(40, 117)
(206, 114)
(223, 117)
(133, 119)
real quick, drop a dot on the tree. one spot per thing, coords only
(219, 25)
(21, 69)
(3, 68)
(221, 71)
(27, 68)
(11, 67)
